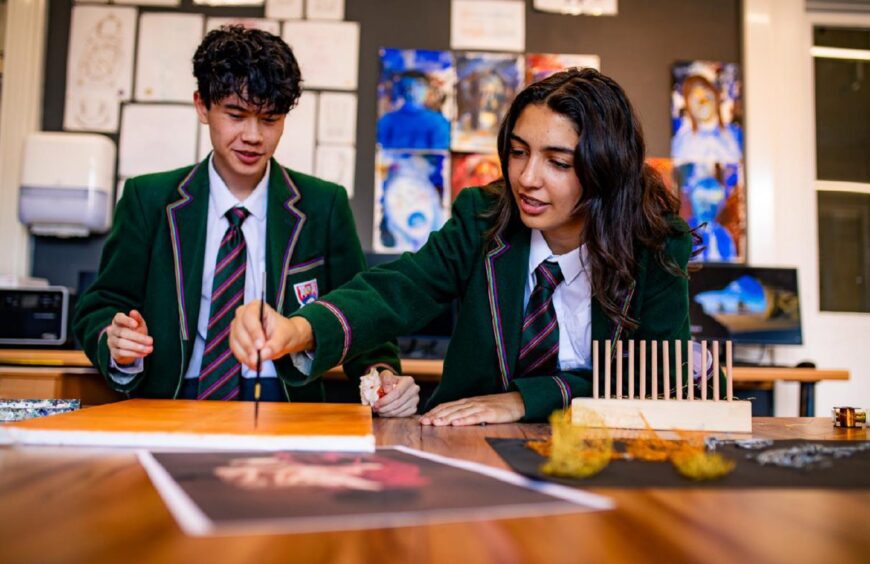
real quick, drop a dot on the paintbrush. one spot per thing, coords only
(257, 387)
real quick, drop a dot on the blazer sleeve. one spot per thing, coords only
(120, 284)
(345, 259)
(399, 297)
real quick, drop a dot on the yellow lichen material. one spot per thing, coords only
(699, 465)
(584, 448)
(577, 450)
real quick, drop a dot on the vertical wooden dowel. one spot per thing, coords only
(716, 370)
(631, 369)
(654, 371)
(678, 351)
(666, 363)
(619, 369)
(703, 370)
(642, 379)
(607, 346)
(729, 371)
(690, 362)
(595, 367)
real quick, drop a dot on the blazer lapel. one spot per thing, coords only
(187, 219)
(507, 266)
(284, 223)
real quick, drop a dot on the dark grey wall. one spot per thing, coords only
(636, 48)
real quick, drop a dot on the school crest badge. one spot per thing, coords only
(306, 292)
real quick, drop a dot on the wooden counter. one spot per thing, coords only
(71, 505)
(69, 375)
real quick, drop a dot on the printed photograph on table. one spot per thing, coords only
(415, 99)
(712, 201)
(411, 195)
(541, 65)
(706, 112)
(487, 83)
(243, 492)
(473, 169)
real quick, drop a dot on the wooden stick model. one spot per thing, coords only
(678, 350)
(619, 369)
(716, 370)
(704, 372)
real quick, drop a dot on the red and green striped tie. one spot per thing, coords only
(539, 350)
(219, 375)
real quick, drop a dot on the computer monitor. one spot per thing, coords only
(745, 304)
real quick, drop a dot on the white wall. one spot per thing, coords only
(781, 192)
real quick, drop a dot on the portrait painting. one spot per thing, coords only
(411, 193)
(415, 99)
(706, 112)
(487, 83)
(473, 169)
(713, 203)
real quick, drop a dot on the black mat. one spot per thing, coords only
(841, 473)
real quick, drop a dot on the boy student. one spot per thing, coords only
(581, 241)
(191, 245)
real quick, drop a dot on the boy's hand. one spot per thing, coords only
(274, 336)
(128, 338)
(401, 397)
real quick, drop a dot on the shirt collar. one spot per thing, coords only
(221, 199)
(570, 263)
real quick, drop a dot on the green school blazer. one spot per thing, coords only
(400, 297)
(153, 262)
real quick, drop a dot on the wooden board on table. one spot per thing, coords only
(212, 425)
(669, 415)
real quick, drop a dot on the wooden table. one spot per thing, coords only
(69, 375)
(71, 505)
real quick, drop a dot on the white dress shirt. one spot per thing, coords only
(572, 301)
(220, 200)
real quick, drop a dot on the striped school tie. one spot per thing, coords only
(220, 371)
(539, 349)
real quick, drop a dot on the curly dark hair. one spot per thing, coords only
(624, 201)
(255, 65)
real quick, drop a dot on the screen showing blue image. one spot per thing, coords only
(745, 304)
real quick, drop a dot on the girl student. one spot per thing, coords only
(581, 241)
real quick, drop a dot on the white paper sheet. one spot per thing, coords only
(328, 53)
(272, 26)
(203, 145)
(284, 9)
(324, 9)
(99, 67)
(296, 148)
(337, 163)
(229, 2)
(336, 118)
(494, 25)
(167, 42)
(578, 7)
(156, 137)
(148, 2)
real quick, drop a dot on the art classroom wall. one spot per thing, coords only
(637, 48)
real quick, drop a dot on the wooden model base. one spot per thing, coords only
(660, 411)
(668, 415)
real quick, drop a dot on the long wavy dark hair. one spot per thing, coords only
(624, 202)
